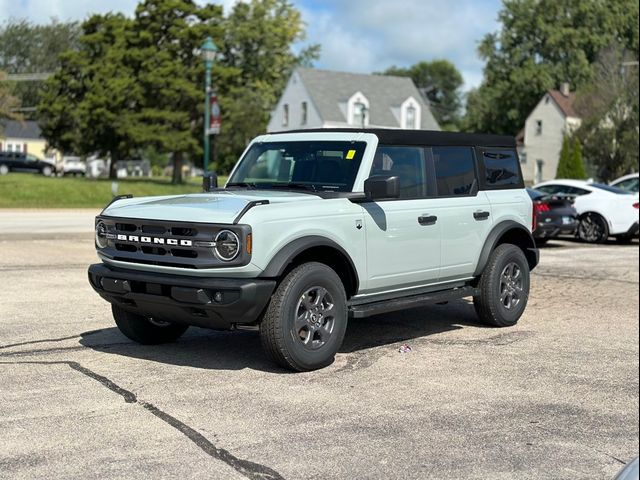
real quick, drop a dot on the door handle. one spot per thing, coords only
(427, 219)
(480, 215)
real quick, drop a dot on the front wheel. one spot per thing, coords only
(306, 319)
(4, 169)
(146, 330)
(47, 171)
(593, 228)
(504, 287)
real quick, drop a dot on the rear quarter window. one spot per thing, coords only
(502, 169)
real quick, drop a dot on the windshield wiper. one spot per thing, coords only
(242, 184)
(292, 185)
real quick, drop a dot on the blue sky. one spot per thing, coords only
(355, 35)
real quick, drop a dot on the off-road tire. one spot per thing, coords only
(141, 329)
(281, 340)
(488, 305)
(600, 234)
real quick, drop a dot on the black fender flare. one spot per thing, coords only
(278, 264)
(529, 248)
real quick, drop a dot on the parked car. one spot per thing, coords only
(317, 226)
(627, 182)
(24, 162)
(73, 166)
(603, 210)
(553, 215)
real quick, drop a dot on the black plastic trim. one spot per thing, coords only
(247, 207)
(115, 199)
(494, 237)
(183, 299)
(413, 301)
(286, 255)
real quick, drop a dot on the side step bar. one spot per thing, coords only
(414, 301)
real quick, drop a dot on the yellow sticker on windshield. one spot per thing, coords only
(350, 154)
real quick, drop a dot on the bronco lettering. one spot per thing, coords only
(156, 240)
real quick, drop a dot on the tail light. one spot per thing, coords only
(538, 207)
(635, 205)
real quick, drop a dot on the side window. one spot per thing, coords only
(454, 170)
(407, 163)
(501, 168)
(549, 189)
(577, 191)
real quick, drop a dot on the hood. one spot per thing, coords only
(215, 207)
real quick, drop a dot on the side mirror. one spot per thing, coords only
(209, 181)
(382, 186)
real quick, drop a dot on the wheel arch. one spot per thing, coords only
(508, 232)
(314, 248)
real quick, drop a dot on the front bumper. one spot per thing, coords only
(217, 303)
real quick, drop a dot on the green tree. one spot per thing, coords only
(164, 51)
(609, 109)
(541, 44)
(8, 103)
(256, 62)
(26, 47)
(441, 82)
(571, 164)
(90, 104)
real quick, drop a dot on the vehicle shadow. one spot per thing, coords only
(237, 350)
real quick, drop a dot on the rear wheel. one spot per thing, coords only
(504, 287)
(306, 319)
(146, 330)
(593, 228)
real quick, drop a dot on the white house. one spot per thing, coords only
(540, 141)
(324, 99)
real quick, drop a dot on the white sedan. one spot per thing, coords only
(628, 182)
(603, 210)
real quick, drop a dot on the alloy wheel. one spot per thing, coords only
(511, 290)
(315, 318)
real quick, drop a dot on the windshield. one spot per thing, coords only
(311, 165)
(609, 188)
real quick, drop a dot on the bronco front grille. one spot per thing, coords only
(170, 244)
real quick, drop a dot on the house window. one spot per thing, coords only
(359, 114)
(303, 114)
(538, 127)
(539, 167)
(411, 117)
(285, 115)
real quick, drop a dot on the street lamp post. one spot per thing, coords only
(209, 51)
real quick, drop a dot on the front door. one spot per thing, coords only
(403, 235)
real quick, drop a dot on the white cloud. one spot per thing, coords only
(41, 11)
(371, 35)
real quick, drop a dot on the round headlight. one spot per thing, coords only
(227, 245)
(101, 235)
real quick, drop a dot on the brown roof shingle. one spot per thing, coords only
(564, 102)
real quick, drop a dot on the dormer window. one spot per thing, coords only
(358, 110)
(411, 117)
(410, 114)
(359, 114)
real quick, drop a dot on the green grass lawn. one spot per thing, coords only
(24, 190)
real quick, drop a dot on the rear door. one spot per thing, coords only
(464, 211)
(403, 234)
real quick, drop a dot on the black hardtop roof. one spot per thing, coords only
(390, 136)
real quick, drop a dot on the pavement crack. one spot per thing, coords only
(252, 470)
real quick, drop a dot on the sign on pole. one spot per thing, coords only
(215, 118)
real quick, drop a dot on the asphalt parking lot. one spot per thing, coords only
(555, 397)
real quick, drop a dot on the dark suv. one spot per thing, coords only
(24, 162)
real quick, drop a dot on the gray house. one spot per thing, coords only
(324, 99)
